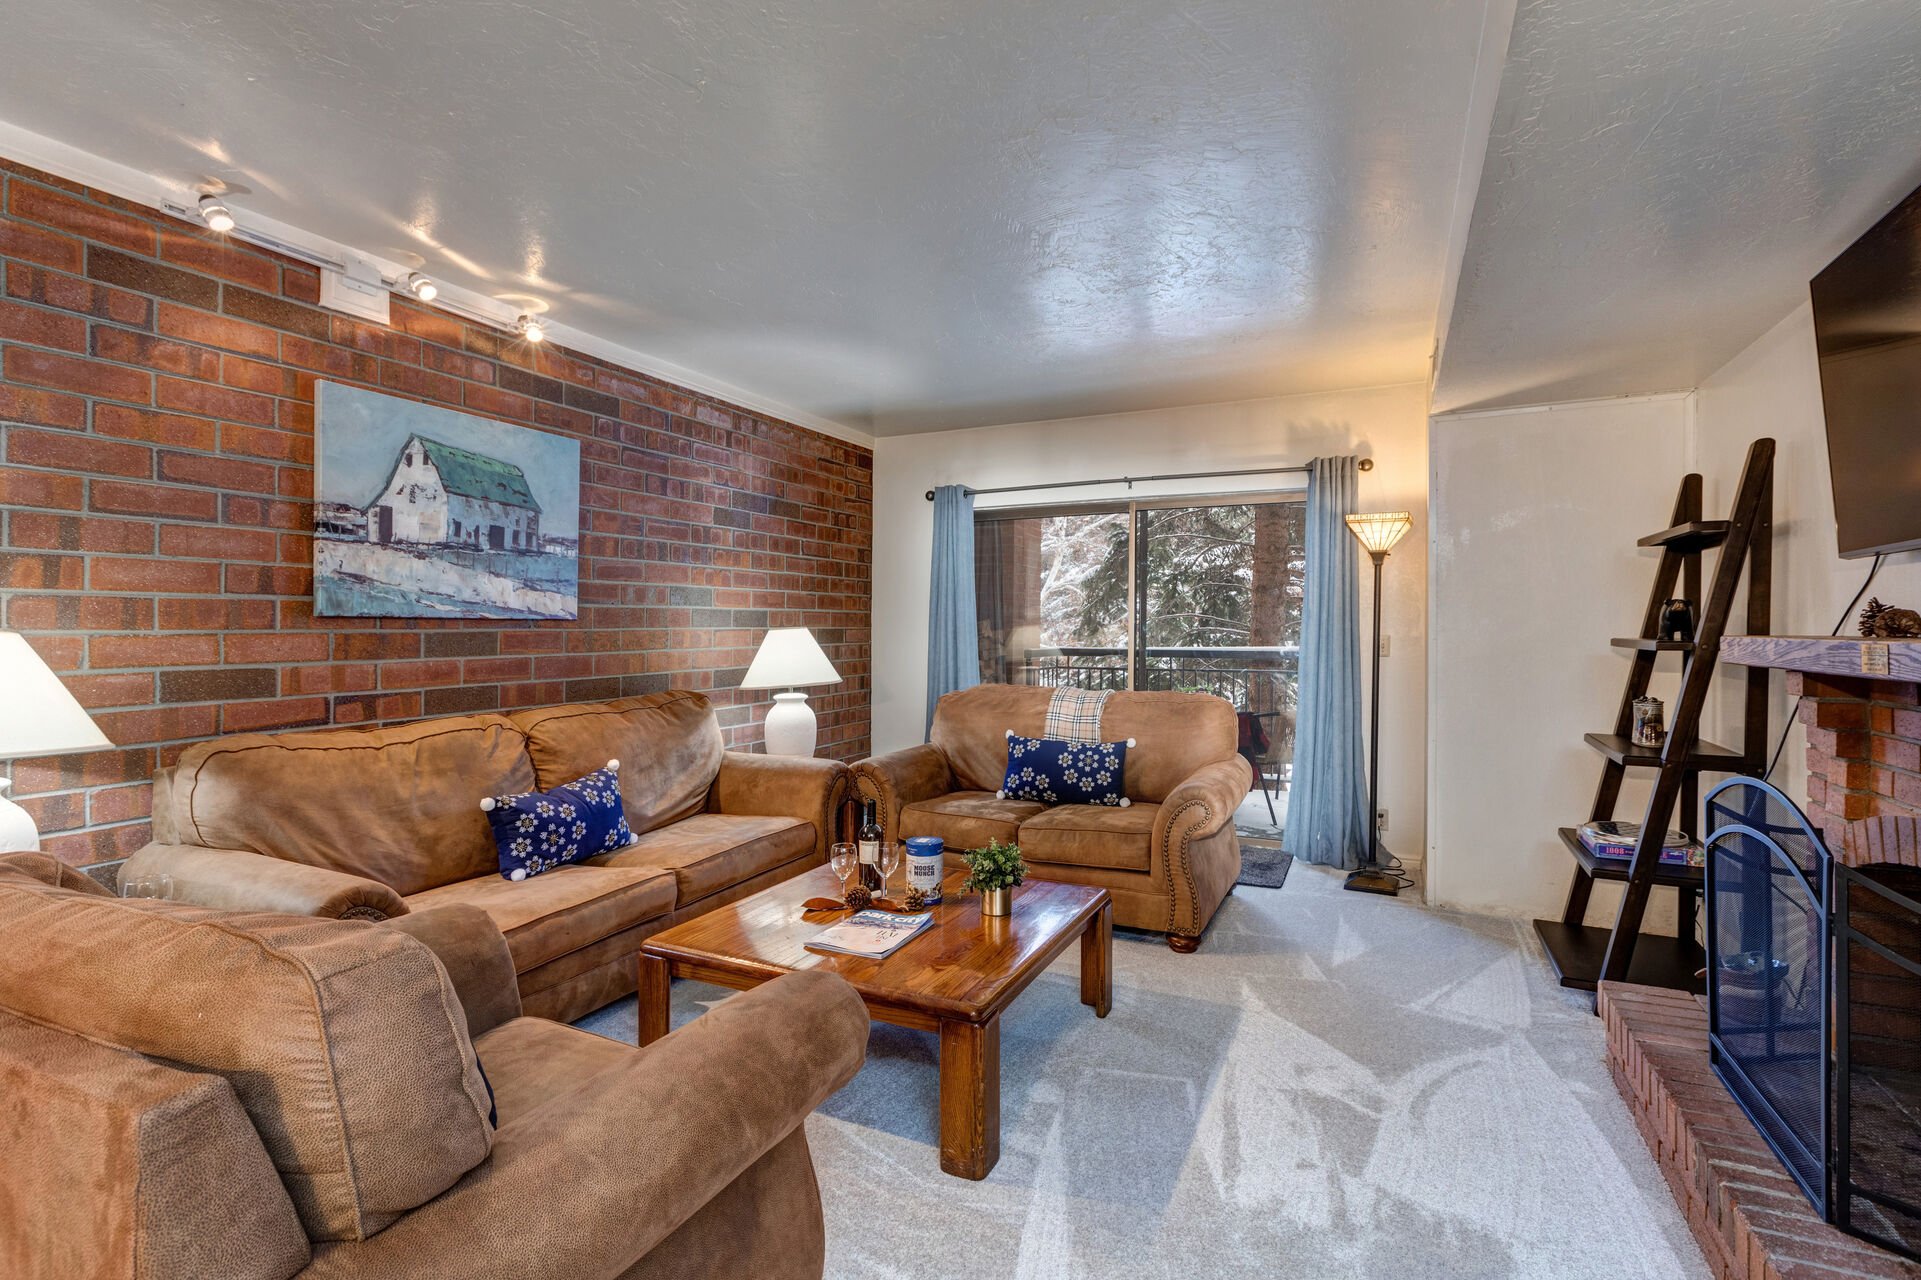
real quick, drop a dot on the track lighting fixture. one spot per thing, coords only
(531, 328)
(216, 215)
(422, 287)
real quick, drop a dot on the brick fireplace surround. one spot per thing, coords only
(1864, 795)
(156, 486)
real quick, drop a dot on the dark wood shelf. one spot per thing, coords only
(1707, 756)
(1652, 646)
(1689, 536)
(1617, 868)
(1576, 952)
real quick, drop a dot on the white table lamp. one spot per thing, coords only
(38, 717)
(790, 657)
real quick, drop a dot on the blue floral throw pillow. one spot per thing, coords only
(537, 831)
(1055, 771)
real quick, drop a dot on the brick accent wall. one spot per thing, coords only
(1864, 752)
(156, 486)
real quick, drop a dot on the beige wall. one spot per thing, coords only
(1387, 424)
(1533, 569)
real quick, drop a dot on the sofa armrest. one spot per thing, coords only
(238, 880)
(782, 787)
(1198, 809)
(900, 778)
(1204, 803)
(473, 951)
(616, 1164)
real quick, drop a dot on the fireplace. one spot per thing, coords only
(1814, 1002)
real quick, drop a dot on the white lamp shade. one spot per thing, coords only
(38, 717)
(789, 658)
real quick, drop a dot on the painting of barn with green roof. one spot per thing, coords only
(423, 512)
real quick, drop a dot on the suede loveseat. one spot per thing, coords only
(373, 823)
(1169, 858)
(188, 1093)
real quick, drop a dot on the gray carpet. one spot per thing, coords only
(1335, 1085)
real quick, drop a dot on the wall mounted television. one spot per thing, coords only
(1867, 332)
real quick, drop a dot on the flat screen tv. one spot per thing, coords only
(1867, 331)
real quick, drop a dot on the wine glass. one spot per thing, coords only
(843, 858)
(889, 859)
(158, 885)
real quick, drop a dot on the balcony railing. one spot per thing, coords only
(1252, 677)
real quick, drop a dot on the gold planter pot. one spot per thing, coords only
(997, 902)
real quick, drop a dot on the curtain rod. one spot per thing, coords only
(1365, 464)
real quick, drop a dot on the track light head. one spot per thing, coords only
(215, 214)
(531, 328)
(422, 287)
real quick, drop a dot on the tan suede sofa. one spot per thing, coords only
(192, 1094)
(374, 823)
(1168, 859)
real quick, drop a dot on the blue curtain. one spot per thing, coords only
(1327, 815)
(953, 628)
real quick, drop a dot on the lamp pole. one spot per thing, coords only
(1370, 876)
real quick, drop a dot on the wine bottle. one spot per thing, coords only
(869, 841)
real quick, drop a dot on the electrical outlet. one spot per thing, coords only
(1380, 820)
(1387, 642)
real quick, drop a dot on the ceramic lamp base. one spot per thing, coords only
(791, 727)
(17, 831)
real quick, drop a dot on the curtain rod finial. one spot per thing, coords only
(930, 495)
(1366, 464)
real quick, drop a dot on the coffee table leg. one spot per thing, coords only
(970, 1097)
(1097, 962)
(656, 997)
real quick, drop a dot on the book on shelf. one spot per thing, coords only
(1616, 840)
(870, 934)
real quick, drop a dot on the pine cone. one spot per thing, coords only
(860, 897)
(916, 899)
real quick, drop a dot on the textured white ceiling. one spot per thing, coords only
(1662, 181)
(898, 216)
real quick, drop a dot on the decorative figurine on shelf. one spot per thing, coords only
(1650, 729)
(1677, 621)
(1888, 623)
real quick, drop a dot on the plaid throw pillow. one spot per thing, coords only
(1054, 771)
(537, 831)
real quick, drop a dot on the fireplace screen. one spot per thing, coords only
(1814, 1009)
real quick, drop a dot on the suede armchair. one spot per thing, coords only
(144, 1142)
(369, 824)
(1169, 858)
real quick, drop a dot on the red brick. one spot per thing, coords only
(160, 724)
(217, 331)
(120, 804)
(118, 498)
(284, 713)
(213, 613)
(77, 374)
(83, 218)
(20, 571)
(64, 811)
(164, 354)
(157, 428)
(39, 327)
(110, 574)
(71, 452)
(127, 689)
(71, 293)
(144, 275)
(376, 646)
(416, 675)
(258, 376)
(216, 472)
(42, 408)
(277, 313)
(261, 442)
(79, 533)
(278, 647)
(43, 489)
(215, 543)
(214, 402)
(153, 651)
(37, 244)
(1897, 753)
(203, 251)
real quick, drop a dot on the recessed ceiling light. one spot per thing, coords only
(216, 215)
(531, 328)
(422, 287)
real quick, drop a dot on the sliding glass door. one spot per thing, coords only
(1198, 595)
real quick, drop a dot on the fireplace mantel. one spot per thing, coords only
(1863, 659)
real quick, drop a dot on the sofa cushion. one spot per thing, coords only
(1091, 835)
(344, 1040)
(966, 819)
(1055, 771)
(710, 852)
(531, 1061)
(668, 745)
(568, 908)
(537, 831)
(1175, 734)
(398, 805)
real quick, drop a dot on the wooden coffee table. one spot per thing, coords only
(955, 977)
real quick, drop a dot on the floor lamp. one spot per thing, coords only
(1378, 532)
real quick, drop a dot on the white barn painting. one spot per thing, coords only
(422, 512)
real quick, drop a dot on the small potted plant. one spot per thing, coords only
(992, 871)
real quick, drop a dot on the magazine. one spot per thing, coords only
(870, 934)
(1613, 839)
